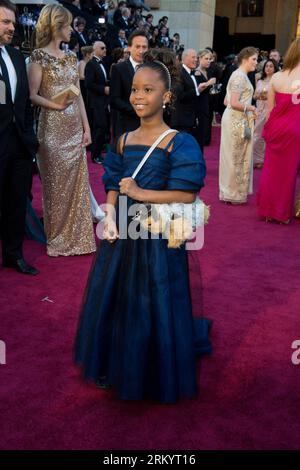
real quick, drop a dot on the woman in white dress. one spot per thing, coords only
(236, 166)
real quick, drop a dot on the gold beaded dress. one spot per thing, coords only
(62, 163)
(236, 165)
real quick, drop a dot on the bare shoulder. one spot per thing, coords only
(276, 80)
(168, 141)
(277, 77)
(121, 142)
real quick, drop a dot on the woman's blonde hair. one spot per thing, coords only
(51, 20)
(204, 52)
(85, 50)
(292, 57)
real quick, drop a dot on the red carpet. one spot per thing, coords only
(249, 388)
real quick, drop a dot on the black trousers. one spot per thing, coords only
(100, 130)
(15, 174)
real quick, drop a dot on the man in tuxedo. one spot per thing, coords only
(184, 115)
(117, 13)
(121, 82)
(121, 40)
(99, 8)
(80, 34)
(18, 144)
(124, 22)
(96, 83)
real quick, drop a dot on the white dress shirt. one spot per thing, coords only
(133, 63)
(82, 38)
(102, 67)
(11, 72)
(192, 77)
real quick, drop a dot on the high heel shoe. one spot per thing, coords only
(285, 222)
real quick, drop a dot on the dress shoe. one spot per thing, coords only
(21, 266)
(98, 160)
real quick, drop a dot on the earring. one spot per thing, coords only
(164, 106)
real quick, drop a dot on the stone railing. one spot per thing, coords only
(153, 4)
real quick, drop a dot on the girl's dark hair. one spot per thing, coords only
(263, 73)
(159, 59)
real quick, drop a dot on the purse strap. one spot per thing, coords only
(153, 146)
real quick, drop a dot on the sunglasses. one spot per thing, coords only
(102, 48)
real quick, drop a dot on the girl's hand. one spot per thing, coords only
(86, 138)
(129, 187)
(110, 231)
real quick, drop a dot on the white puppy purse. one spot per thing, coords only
(176, 221)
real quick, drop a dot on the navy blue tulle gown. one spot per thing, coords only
(136, 331)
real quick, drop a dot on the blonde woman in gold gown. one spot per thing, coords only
(63, 134)
(236, 166)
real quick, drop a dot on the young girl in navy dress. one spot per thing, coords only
(136, 332)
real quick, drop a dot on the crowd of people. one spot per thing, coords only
(260, 128)
(144, 345)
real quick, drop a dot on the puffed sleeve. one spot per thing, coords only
(237, 83)
(187, 165)
(37, 57)
(113, 166)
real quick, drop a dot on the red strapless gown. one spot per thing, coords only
(282, 160)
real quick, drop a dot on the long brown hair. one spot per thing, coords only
(263, 73)
(292, 57)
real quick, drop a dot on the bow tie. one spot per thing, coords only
(192, 72)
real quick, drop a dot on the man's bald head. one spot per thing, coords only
(99, 49)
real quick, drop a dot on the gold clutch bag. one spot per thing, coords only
(70, 93)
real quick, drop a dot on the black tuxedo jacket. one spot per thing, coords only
(185, 107)
(122, 24)
(117, 42)
(120, 90)
(95, 82)
(81, 42)
(20, 113)
(203, 108)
